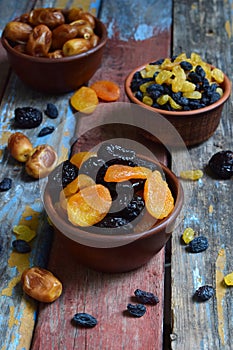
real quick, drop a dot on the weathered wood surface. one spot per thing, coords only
(132, 41)
(206, 28)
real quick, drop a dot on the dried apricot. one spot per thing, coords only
(89, 206)
(78, 158)
(119, 173)
(106, 90)
(78, 183)
(158, 197)
(84, 100)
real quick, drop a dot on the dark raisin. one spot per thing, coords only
(204, 293)
(51, 111)
(198, 244)
(194, 77)
(85, 320)
(137, 310)
(146, 297)
(221, 163)
(215, 97)
(200, 71)
(155, 90)
(113, 222)
(21, 246)
(28, 117)
(186, 65)
(158, 62)
(46, 131)
(139, 95)
(108, 151)
(5, 184)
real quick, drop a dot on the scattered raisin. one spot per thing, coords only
(85, 320)
(198, 244)
(51, 111)
(221, 163)
(137, 310)
(46, 131)
(204, 293)
(146, 297)
(21, 246)
(5, 184)
(28, 117)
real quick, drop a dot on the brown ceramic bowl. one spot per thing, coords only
(57, 75)
(115, 252)
(194, 126)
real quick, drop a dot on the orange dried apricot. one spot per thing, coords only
(84, 100)
(89, 206)
(78, 183)
(78, 158)
(158, 198)
(106, 90)
(120, 173)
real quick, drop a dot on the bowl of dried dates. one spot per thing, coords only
(54, 50)
(187, 91)
(112, 209)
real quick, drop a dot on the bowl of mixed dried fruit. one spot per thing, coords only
(113, 209)
(187, 91)
(55, 50)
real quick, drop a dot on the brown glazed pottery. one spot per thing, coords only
(57, 75)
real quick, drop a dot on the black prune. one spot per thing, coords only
(95, 168)
(137, 310)
(28, 117)
(133, 209)
(46, 131)
(122, 196)
(51, 111)
(21, 246)
(221, 164)
(204, 293)
(69, 173)
(108, 151)
(113, 222)
(198, 244)
(186, 65)
(146, 297)
(5, 184)
(85, 320)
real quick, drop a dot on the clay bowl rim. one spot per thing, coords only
(226, 94)
(45, 60)
(125, 238)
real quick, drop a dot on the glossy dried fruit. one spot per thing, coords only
(119, 173)
(84, 100)
(137, 310)
(27, 117)
(159, 200)
(78, 183)
(75, 46)
(188, 235)
(89, 206)
(191, 174)
(85, 320)
(221, 163)
(17, 31)
(204, 293)
(51, 111)
(198, 244)
(106, 90)
(146, 297)
(228, 279)
(24, 232)
(5, 184)
(39, 41)
(21, 246)
(108, 151)
(19, 146)
(78, 158)
(46, 131)
(51, 17)
(41, 284)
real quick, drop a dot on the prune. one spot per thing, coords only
(221, 163)
(198, 244)
(28, 117)
(186, 65)
(95, 168)
(146, 297)
(51, 111)
(85, 320)
(204, 293)
(5, 184)
(147, 164)
(123, 195)
(133, 209)
(69, 173)
(108, 151)
(46, 131)
(112, 222)
(137, 310)
(21, 246)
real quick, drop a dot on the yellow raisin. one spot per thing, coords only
(194, 94)
(147, 100)
(163, 99)
(228, 279)
(191, 174)
(24, 232)
(188, 235)
(218, 75)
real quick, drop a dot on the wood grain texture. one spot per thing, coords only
(205, 27)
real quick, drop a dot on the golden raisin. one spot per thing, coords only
(191, 174)
(188, 235)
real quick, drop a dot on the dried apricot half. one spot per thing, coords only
(157, 195)
(84, 100)
(89, 206)
(81, 181)
(120, 173)
(106, 90)
(78, 158)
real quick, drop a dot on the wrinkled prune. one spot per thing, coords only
(137, 310)
(198, 244)
(85, 320)
(21, 246)
(5, 184)
(133, 209)
(221, 163)
(204, 293)
(51, 111)
(46, 131)
(95, 168)
(28, 117)
(123, 195)
(108, 151)
(69, 173)
(146, 297)
(112, 222)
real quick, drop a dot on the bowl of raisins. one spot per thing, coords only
(54, 50)
(113, 210)
(187, 91)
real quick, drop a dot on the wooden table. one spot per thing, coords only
(138, 31)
